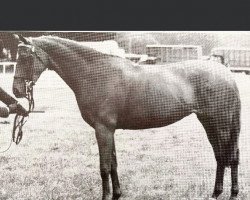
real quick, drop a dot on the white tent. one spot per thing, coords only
(108, 47)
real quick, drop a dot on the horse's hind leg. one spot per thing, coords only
(223, 136)
(234, 155)
(212, 131)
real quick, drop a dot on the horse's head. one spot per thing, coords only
(31, 62)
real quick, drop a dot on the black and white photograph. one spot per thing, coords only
(128, 115)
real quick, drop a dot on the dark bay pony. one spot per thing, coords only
(113, 94)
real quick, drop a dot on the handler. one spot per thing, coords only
(12, 105)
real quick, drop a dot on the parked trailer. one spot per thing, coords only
(237, 59)
(174, 53)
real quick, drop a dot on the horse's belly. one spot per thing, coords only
(144, 123)
(152, 114)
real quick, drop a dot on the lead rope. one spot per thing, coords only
(19, 121)
(8, 147)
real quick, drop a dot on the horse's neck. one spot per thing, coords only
(76, 65)
(67, 73)
(71, 70)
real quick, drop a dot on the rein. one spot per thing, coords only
(19, 121)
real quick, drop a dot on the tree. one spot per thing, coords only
(10, 42)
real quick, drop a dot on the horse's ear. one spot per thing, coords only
(22, 39)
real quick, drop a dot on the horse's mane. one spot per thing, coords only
(87, 51)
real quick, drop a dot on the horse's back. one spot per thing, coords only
(161, 95)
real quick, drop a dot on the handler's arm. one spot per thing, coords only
(6, 98)
(4, 112)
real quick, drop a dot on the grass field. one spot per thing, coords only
(58, 156)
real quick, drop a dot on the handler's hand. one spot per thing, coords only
(19, 109)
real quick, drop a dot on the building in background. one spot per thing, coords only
(236, 58)
(174, 53)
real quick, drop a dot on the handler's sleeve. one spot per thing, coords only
(6, 98)
(4, 112)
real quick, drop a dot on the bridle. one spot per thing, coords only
(19, 120)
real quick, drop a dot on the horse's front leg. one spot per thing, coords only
(104, 136)
(218, 188)
(114, 175)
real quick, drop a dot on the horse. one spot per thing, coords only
(112, 94)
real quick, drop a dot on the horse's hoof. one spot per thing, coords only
(116, 196)
(106, 197)
(233, 198)
(216, 194)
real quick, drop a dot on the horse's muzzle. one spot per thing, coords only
(19, 87)
(18, 93)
